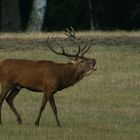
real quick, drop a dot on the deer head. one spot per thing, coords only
(84, 65)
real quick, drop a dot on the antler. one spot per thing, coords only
(71, 34)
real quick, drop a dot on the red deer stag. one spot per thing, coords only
(43, 76)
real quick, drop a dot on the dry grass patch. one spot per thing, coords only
(99, 38)
(102, 106)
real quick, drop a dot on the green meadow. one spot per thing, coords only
(102, 106)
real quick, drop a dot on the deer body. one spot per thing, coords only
(43, 76)
(38, 75)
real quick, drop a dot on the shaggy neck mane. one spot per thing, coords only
(69, 75)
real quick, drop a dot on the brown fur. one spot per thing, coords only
(40, 76)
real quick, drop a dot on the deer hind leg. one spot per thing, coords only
(10, 99)
(3, 95)
(54, 109)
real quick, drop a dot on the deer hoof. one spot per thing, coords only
(19, 121)
(59, 125)
(36, 124)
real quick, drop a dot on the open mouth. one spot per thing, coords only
(93, 68)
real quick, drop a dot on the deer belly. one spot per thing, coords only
(31, 83)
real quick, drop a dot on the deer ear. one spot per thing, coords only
(73, 61)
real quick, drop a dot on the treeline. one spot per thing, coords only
(16, 15)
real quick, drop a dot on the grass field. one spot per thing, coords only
(103, 106)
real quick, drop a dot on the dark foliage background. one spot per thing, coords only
(109, 14)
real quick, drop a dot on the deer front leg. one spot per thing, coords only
(54, 109)
(43, 104)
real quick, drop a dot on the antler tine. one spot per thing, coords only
(86, 43)
(51, 47)
(71, 34)
(62, 47)
(85, 48)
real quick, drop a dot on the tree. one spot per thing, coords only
(37, 15)
(91, 21)
(10, 16)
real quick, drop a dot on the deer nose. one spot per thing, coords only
(94, 61)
